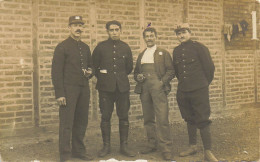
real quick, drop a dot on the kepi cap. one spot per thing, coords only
(182, 26)
(76, 20)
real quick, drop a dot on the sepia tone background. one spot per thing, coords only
(30, 30)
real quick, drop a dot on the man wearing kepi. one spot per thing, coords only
(195, 71)
(71, 71)
(153, 73)
(113, 62)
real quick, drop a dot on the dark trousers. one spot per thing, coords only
(195, 110)
(73, 120)
(194, 106)
(155, 111)
(106, 104)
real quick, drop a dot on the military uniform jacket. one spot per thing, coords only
(193, 66)
(163, 68)
(70, 56)
(113, 62)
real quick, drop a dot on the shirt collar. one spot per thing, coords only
(152, 48)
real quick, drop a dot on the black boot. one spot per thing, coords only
(206, 140)
(105, 129)
(192, 132)
(123, 130)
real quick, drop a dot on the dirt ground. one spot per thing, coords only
(235, 138)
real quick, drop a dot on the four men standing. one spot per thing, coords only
(112, 63)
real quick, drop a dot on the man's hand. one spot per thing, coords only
(61, 101)
(140, 77)
(87, 72)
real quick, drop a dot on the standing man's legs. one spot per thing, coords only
(200, 102)
(188, 114)
(122, 108)
(149, 119)
(106, 104)
(160, 104)
(66, 115)
(80, 122)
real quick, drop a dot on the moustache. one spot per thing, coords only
(79, 31)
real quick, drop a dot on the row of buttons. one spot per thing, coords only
(81, 57)
(114, 58)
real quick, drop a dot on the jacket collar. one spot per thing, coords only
(113, 41)
(187, 42)
(73, 40)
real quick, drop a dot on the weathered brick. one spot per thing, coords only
(6, 114)
(6, 102)
(24, 101)
(14, 84)
(10, 96)
(13, 73)
(23, 113)
(14, 108)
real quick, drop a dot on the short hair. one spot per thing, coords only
(113, 22)
(150, 29)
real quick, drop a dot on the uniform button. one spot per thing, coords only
(114, 46)
(184, 71)
(114, 58)
(114, 72)
(184, 66)
(183, 60)
(183, 49)
(114, 65)
(184, 77)
(183, 54)
(114, 51)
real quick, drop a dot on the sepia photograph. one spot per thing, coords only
(130, 80)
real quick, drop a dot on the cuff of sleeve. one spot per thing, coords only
(59, 93)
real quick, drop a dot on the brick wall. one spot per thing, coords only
(240, 84)
(41, 24)
(16, 110)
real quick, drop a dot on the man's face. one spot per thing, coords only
(76, 30)
(114, 32)
(149, 38)
(183, 35)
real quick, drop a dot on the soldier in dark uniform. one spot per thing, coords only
(195, 70)
(153, 73)
(71, 71)
(113, 62)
